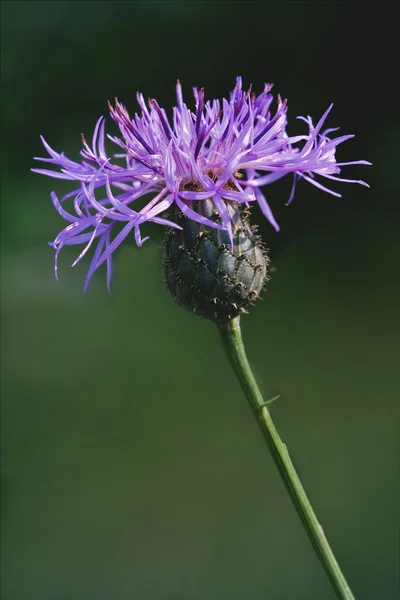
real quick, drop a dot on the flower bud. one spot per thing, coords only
(206, 273)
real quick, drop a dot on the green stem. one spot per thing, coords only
(233, 344)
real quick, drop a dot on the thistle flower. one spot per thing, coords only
(202, 172)
(223, 153)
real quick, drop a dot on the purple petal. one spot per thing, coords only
(319, 185)
(225, 216)
(267, 212)
(191, 214)
(93, 263)
(115, 243)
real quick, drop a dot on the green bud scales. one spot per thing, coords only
(206, 273)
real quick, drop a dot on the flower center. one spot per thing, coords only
(195, 186)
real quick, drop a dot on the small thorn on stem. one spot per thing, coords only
(270, 401)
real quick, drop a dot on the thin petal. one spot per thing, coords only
(191, 214)
(266, 208)
(319, 185)
(115, 243)
(93, 263)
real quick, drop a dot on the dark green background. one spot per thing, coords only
(131, 464)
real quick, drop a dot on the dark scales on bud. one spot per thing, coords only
(205, 273)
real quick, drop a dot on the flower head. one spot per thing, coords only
(222, 151)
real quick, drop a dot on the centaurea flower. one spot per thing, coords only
(223, 152)
(202, 171)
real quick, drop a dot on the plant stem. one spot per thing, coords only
(233, 344)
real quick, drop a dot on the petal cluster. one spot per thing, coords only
(226, 151)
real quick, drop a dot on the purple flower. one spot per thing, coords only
(225, 151)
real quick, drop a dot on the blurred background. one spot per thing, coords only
(131, 464)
